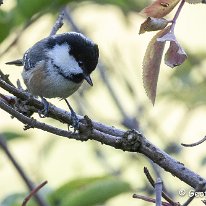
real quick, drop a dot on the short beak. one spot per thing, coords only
(88, 79)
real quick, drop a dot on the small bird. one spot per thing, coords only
(57, 65)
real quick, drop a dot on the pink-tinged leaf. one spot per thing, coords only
(151, 64)
(153, 24)
(196, 1)
(169, 36)
(175, 55)
(159, 8)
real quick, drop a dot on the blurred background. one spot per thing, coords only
(82, 169)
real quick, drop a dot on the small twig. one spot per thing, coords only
(149, 177)
(59, 23)
(33, 192)
(158, 192)
(177, 15)
(194, 144)
(148, 199)
(152, 182)
(21, 172)
(5, 77)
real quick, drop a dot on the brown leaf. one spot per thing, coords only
(151, 64)
(159, 8)
(153, 24)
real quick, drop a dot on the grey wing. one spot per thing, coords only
(35, 54)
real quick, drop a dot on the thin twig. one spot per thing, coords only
(177, 15)
(21, 172)
(149, 177)
(158, 192)
(33, 192)
(59, 23)
(152, 182)
(195, 144)
(5, 77)
(149, 199)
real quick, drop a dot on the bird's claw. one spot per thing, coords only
(75, 121)
(44, 112)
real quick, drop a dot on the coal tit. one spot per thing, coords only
(57, 65)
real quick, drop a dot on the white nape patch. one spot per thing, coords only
(62, 58)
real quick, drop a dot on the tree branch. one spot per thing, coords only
(131, 140)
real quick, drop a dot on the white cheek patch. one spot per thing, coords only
(62, 58)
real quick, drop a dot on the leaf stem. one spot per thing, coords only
(177, 15)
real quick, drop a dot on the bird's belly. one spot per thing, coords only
(49, 86)
(61, 87)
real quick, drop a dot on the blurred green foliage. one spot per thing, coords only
(88, 191)
(11, 135)
(15, 200)
(25, 10)
(79, 192)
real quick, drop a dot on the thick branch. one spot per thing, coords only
(131, 141)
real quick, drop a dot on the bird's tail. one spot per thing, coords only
(18, 62)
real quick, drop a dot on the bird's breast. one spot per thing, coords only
(49, 84)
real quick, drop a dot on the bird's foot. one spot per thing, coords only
(75, 120)
(44, 112)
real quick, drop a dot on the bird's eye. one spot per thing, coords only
(80, 63)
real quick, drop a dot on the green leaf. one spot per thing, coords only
(69, 187)
(10, 135)
(89, 191)
(15, 200)
(5, 24)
